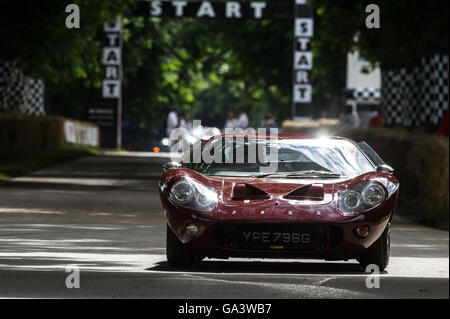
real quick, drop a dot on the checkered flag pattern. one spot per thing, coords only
(34, 97)
(366, 94)
(20, 93)
(418, 96)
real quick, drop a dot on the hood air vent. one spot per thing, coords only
(247, 191)
(312, 192)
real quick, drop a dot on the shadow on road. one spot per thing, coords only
(94, 172)
(278, 267)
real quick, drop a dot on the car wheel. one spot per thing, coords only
(378, 253)
(178, 254)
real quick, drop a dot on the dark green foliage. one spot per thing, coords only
(410, 29)
(34, 34)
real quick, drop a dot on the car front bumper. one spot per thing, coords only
(338, 242)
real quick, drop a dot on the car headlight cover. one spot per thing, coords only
(373, 194)
(361, 197)
(182, 192)
(203, 199)
(351, 200)
(192, 194)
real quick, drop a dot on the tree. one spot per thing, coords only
(410, 29)
(35, 37)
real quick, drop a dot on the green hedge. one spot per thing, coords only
(20, 133)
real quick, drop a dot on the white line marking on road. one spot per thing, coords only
(29, 211)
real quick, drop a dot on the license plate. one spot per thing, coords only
(276, 237)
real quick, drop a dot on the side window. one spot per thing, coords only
(374, 157)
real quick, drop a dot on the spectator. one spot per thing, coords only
(367, 116)
(242, 121)
(231, 121)
(351, 118)
(269, 121)
(186, 123)
(172, 121)
(357, 121)
(377, 120)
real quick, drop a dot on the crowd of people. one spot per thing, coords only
(350, 119)
(242, 121)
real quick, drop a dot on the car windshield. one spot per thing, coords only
(289, 158)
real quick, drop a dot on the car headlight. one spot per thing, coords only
(182, 192)
(361, 197)
(373, 194)
(351, 200)
(192, 194)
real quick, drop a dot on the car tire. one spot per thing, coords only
(178, 254)
(378, 253)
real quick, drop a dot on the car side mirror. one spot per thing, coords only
(171, 165)
(385, 169)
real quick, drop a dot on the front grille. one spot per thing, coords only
(273, 236)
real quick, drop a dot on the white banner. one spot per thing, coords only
(81, 134)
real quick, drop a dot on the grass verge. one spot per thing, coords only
(24, 163)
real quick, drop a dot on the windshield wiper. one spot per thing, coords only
(266, 175)
(310, 173)
(313, 173)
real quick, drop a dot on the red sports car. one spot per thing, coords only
(296, 197)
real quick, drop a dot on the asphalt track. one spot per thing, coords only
(102, 214)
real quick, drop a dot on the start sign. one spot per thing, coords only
(112, 66)
(219, 10)
(112, 59)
